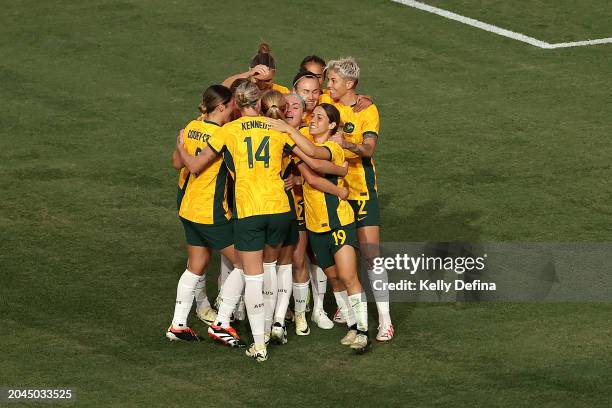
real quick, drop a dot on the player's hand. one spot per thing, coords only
(363, 101)
(179, 139)
(279, 124)
(289, 182)
(259, 70)
(338, 137)
(343, 193)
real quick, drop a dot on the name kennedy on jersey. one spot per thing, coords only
(255, 124)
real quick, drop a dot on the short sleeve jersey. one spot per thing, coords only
(324, 211)
(361, 176)
(205, 195)
(253, 153)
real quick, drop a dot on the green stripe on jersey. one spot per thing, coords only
(331, 205)
(220, 186)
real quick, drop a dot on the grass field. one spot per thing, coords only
(483, 139)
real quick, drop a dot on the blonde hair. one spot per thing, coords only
(346, 67)
(272, 104)
(246, 95)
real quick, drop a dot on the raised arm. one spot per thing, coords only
(321, 183)
(195, 164)
(255, 71)
(322, 166)
(317, 152)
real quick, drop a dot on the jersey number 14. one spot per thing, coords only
(261, 154)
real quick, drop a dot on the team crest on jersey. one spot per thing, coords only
(348, 127)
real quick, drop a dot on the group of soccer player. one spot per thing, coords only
(282, 183)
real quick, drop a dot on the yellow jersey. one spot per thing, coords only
(204, 197)
(297, 194)
(253, 154)
(324, 211)
(361, 176)
(280, 88)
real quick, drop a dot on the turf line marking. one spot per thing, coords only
(582, 43)
(498, 30)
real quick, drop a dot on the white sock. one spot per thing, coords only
(230, 295)
(300, 295)
(270, 292)
(253, 298)
(226, 269)
(359, 305)
(200, 294)
(184, 298)
(381, 296)
(345, 308)
(319, 279)
(284, 277)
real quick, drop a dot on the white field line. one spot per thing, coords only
(498, 30)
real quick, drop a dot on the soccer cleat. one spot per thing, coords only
(226, 336)
(321, 319)
(183, 334)
(362, 343)
(301, 324)
(278, 334)
(208, 315)
(258, 351)
(349, 338)
(385, 333)
(240, 312)
(338, 318)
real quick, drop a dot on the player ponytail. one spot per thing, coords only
(246, 95)
(332, 114)
(273, 104)
(263, 57)
(212, 97)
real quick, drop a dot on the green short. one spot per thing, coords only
(292, 235)
(326, 244)
(216, 236)
(367, 212)
(255, 232)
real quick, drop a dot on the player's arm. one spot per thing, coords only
(321, 183)
(177, 163)
(365, 149)
(321, 166)
(316, 152)
(253, 72)
(194, 164)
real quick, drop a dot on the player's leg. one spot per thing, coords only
(345, 258)
(279, 290)
(284, 288)
(229, 296)
(300, 284)
(318, 280)
(199, 257)
(226, 268)
(369, 244)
